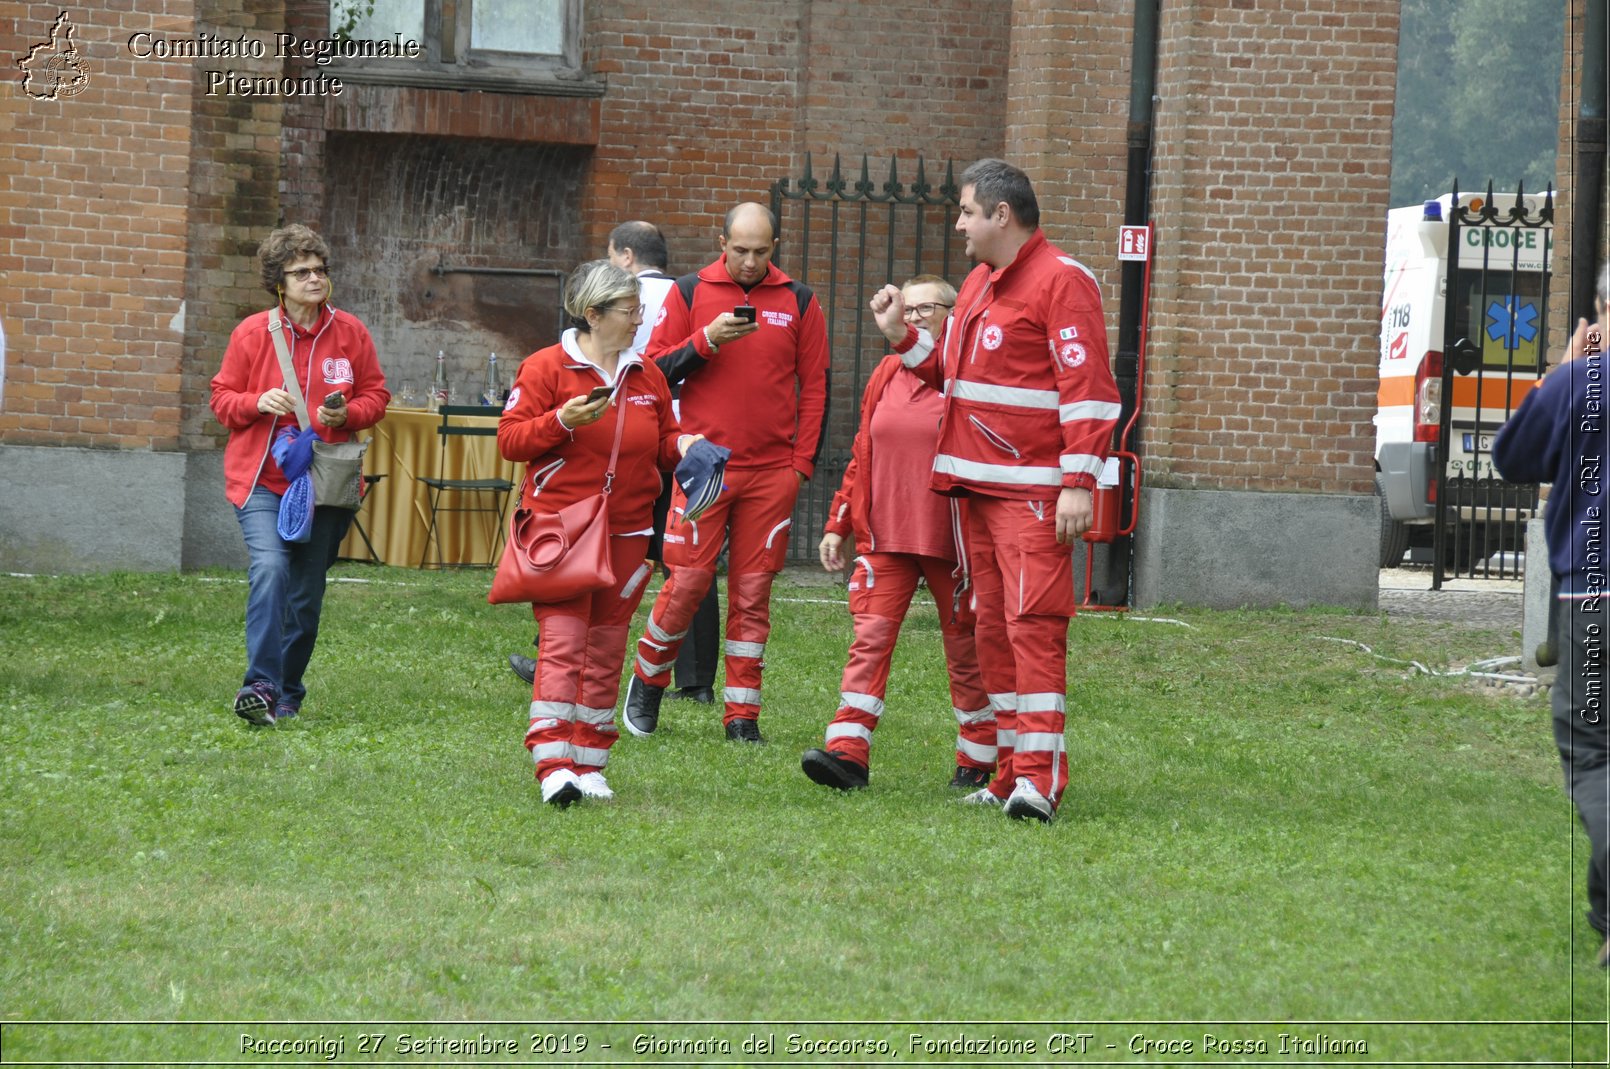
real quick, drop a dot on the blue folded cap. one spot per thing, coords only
(699, 474)
(296, 510)
(293, 451)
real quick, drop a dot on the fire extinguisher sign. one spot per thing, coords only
(1134, 243)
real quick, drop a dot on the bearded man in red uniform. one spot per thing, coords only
(749, 345)
(1030, 407)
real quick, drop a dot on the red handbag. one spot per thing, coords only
(555, 556)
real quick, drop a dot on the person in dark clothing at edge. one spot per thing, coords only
(639, 247)
(1557, 436)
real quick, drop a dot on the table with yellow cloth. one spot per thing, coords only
(404, 447)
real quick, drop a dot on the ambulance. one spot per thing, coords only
(1500, 312)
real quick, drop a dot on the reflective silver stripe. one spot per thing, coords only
(1006, 740)
(588, 715)
(745, 649)
(740, 696)
(1042, 703)
(1089, 410)
(587, 755)
(864, 702)
(772, 534)
(557, 710)
(1040, 742)
(660, 634)
(650, 668)
(976, 751)
(919, 352)
(550, 751)
(965, 390)
(848, 731)
(638, 578)
(1027, 475)
(1081, 464)
(977, 716)
(1006, 701)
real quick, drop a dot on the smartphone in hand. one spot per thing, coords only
(745, 312)
(335, 399)
(599, 393)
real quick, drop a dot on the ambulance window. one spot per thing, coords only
(1507, 312)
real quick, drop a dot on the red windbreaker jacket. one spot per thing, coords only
(569, 465)
(1030, 401)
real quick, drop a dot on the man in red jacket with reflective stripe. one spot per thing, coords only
(749, 346)
(1030, 407)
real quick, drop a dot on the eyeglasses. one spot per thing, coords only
(302, 274)
(634, 312)
(924, 310)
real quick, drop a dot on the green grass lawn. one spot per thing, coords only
(1261, 827)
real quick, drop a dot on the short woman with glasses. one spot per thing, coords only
(567, 439)
(904, 533)
(336, 369)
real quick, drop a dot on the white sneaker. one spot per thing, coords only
(561, 787)
(1027, 801)
(982, 796)
(593, 785)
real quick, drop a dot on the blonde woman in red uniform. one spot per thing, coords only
(566, 439)
(903, 533)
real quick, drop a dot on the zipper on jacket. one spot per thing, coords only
(994, 439)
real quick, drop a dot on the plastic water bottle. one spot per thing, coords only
(492, 392)
(439, 392)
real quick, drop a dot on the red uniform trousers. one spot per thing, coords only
(881, 588)
(1023, 593)
(581, 644)
(754, 514)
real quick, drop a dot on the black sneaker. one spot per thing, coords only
(744, 730)
(642, 709)
(524, 667)
(970, 779)
(833, 770)
(702, 695)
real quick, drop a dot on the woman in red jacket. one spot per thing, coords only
(336, 368)
(566, 439)
(904, 532)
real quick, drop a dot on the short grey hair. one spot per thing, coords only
(596, 284)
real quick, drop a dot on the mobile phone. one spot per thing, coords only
(334, 399)
(746, 312)
(599, 393)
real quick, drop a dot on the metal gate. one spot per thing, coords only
(846, 239)
(1495, 337)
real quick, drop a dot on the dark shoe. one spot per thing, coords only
(254, 703)
(968, 778)
(642, 709)
(703, 695)
(284, 710)
(833, 770)
(524, 667)
(744, 730)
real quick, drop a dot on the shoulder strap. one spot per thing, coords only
(620, 425)
(276, 330)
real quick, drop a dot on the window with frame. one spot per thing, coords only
(513, 44)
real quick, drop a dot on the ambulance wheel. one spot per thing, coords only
(1394, 534)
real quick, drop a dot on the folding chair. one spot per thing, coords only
(485, 496)
(369, 482)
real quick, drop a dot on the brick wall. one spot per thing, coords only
(1565, 180)
(1273, 158)
(93, 201)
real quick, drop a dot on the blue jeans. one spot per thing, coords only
(285, 590)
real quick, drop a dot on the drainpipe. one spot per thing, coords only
(1587, 220)
(1112, 579)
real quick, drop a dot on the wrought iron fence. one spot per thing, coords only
(845, 239)
(1495, 341)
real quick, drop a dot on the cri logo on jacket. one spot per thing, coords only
(992, 337)
(1072, 354)
(337, 369)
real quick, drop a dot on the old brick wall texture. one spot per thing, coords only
(94, 193)
(1272, 151)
